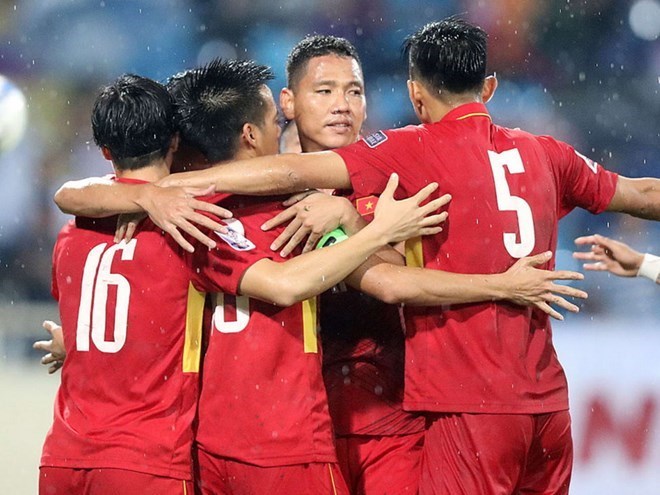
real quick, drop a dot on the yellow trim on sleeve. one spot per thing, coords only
(192, 347)
(310, 337)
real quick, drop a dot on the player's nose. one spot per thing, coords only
(340, 103)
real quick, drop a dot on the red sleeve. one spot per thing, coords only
(372, 160)
(53, 282)
(583, 182)
(221, 269)
(54, 288)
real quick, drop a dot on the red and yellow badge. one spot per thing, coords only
(367, 205)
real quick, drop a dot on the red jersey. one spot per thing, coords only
(263, 400)
(509, 190)
(363, 347)
(131, 314)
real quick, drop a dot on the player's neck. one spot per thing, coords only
(150, 173)
(437, 108)
(245, 153)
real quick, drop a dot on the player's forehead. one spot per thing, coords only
(332, 69)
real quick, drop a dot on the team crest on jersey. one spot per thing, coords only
(375, 139)
(235, 235)
(590, 163)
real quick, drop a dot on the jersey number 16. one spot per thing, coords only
(96, 280)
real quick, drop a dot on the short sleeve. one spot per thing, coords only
(372, 160)
(54, 290)
(221, 269)
(582, 182)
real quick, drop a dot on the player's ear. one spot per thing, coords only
(488, 89)
(287, 104)
(174, 143)
(417, 99)
(106, 153)
(249, 135)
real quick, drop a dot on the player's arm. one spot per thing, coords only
(522, 284)
(173, 209)
(637, 197)
(617, 257)
(54, 348)
(312, 273)
(97, 197)
(266, 175)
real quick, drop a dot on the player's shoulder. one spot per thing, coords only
(514, 133)
(377, 138)
(523, 139)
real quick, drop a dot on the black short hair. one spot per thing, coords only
(448, 55)
(134, 119)
(316, 46)
(214, 101)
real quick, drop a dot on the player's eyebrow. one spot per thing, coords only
(334, 82)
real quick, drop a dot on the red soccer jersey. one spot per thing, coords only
(263, 400)
(132, 330)
(509, 190)
(363, 347)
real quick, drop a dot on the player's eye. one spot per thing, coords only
(323, 91)
(355, 92)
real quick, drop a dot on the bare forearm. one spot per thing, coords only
(270, 174)
(424, 287)
(637, 197)
(310, 274)
(98, 198)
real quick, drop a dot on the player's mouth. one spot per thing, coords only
(340, 126)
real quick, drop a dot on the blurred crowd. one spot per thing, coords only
(585, 71)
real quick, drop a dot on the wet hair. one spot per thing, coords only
(214, 101)
(448, 55)
(134, 119)
(312, 47)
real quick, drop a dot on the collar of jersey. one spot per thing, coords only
(130, 181)
(467, 111)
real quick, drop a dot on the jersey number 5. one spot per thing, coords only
(507, 202)
(96, 279)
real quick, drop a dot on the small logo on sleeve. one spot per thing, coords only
(375, 139)
(235, 235)
(590, 163)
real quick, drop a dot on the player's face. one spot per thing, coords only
(268, 133)
(328, 104)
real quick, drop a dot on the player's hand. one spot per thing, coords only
(54, 348)
(401, 220)
(310, 217)
(175, 210)
(609, 255)
(531, 286)
(127, 225)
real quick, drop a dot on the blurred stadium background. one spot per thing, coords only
(586, 71)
